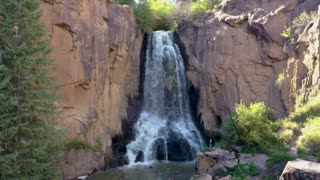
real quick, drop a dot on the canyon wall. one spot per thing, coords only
(97, 52)
(237, 53)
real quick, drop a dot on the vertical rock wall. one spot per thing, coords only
(236, 54)
(97, 50)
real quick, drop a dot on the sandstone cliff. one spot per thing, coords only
(236, 54)
(97, 50)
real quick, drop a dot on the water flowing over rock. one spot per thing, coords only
(165, 129)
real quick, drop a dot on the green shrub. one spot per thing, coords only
(280, 79)
(163, 14)
(202, 7)
(80, 144)
(241, 171)
(298, 25)
(144, 15)
(279, 157)
(197, 10)
(125, 2)
(309, 141)
(300, 22)
(153, 14)
(311, 108)
(286, 136)
(288, 129)
(287, 33)
(251, 127)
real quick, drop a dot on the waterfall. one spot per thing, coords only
(165, 129)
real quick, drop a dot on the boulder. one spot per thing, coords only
(301, 170)
(140, 157)
(178, 148)
(226, 178)
(201, 177)
(205, 162)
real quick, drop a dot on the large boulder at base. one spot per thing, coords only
(178, 148)
(140, 157)
(206, 161)
(160, 147)
(301, 170)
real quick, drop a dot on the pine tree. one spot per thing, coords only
(29, 145)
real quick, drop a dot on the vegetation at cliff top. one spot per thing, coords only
(299, 23)
(164, 15)
(29, 145)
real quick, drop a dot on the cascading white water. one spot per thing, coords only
(165, 129)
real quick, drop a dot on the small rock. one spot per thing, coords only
(201, 177)
(230, 164)
(226, 178)
(213, 154)
(82, 177)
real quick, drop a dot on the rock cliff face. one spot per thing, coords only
(236, 54)
(97, 50)
(302, 73)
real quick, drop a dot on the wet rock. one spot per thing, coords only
(160, 145)
(178, 148)
(139, 157)
(301, 170)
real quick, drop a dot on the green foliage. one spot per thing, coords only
(163, 14)
(154, 14)
(288, 129)
(125, 2)
(251, 127)
(286, 136)
(300, 22)
(280, 79)
(29, 147)
(298, 25)
(80, 144)
(241, 171)
(311, 108)
(309, 142)
(279, 157)
(144, 15)
(202, 7)
(287, 33)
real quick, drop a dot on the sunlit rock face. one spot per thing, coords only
(236, 54)
(97, 50)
